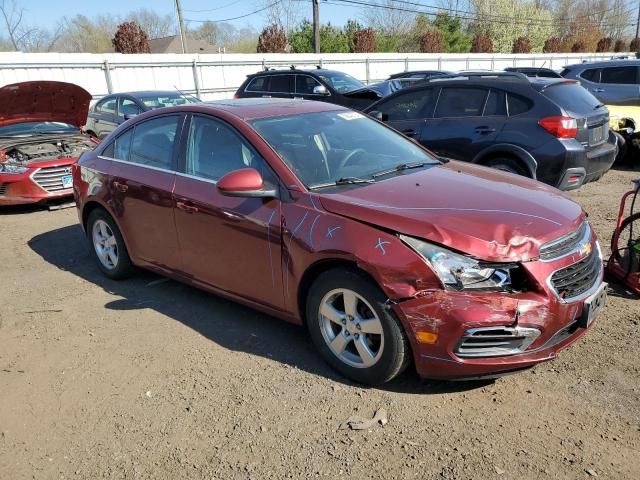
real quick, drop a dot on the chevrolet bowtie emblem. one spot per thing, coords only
(586, 249)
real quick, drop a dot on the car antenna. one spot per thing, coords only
(540, 67)
(318, 67)
(293, 67)
(186, 94)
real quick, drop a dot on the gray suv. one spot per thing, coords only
(614, 82)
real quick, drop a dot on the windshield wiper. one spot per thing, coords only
(399, 168)
(343, 181)
(598, 106)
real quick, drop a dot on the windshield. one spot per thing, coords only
(168, 100)
(36, 128)
(323, 148)
(342, 82)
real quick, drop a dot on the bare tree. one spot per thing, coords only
(387, 18)
(156, 26)
(82, 34)
(286, 13)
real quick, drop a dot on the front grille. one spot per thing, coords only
(578, 278)
(565, 244)
(50, 178)
(495, 341)
(3, 188)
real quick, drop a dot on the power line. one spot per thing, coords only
(238, 17)
(214, 9)
(486, 18)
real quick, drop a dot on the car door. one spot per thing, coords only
(618, 86)
(459, 129)
(407, 111)
(229, 243)
(305, 85)
(105, 116)
(143, 177)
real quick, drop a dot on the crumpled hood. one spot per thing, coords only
(44, 101)
(483, 212)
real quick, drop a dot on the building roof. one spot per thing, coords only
(172, 44)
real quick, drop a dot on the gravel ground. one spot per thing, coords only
(148, 378)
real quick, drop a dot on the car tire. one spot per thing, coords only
(364, 341)
(107, 245)
(508, 165)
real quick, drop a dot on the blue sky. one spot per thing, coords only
(45, 13)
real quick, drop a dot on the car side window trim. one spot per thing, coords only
(253, 80)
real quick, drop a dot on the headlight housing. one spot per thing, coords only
(12, 168)
(459, 272)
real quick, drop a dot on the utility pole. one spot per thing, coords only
(638, 22)
(183, 40)
(316, 26)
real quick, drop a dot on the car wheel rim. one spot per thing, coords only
(351, 328)
(105, 244)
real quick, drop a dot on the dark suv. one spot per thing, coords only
(319, 84)
(614, 82)
(552, 130)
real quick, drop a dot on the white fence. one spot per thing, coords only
(215, 76)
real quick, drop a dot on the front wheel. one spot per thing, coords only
(353, 329)
(507, 165)
(107, 245)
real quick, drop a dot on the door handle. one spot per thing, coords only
(409, 132)
(598, 90)
(484, 130)
(230, 215)
(121, 187)
(185, 207)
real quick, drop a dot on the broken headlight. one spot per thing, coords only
(12, 168)
(461, 272)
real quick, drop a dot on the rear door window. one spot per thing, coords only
(108, 105)
(127, 106)
(619, 75)
(461, 102)
(592, 74)
(518, 104)
(153, 142)
(122, 146)
(407, 106)
(281, 84)
(495, 106)
(571, 97)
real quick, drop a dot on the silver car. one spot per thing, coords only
(613, 82)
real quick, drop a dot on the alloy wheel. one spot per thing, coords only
(105, 244)
(351, 328)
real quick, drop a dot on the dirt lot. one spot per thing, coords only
(148, 378)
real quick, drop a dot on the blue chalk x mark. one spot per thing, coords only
(330, 231)
(381, 245)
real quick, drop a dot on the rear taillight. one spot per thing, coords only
(560, 127)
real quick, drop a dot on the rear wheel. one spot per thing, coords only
(508, 165)
(353, 329)
(625, 244)
(108, 245)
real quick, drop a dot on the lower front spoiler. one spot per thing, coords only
(455, 368)
(7, 200)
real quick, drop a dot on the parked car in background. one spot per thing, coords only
(613, 82)
(534, 72)
(40, 139)
(112, 110)
(387, 87)
(548, 129)
(420, 74)
(324, 217)
(318, 84)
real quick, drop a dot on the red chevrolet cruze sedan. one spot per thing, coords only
(40, 139)
(325, 217)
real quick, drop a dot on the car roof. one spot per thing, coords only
(144, 93)
(254, 108)
(295, 70)
(606, 63)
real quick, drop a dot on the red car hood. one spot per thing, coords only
(44, 101)
(489, 214)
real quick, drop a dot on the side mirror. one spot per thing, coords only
(245, 182)
(383, 117)
(320, 90)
